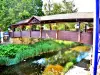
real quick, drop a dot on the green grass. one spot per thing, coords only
(14, 53)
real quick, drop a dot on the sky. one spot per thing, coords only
(82, 5)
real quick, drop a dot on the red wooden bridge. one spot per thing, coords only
(77, 36)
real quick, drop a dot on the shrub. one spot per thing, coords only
(71, 56)
(68, 66)
(53, 70)
(62, 58)
(11, 49)
(81, 48)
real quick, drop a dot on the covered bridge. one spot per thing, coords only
(77, 36)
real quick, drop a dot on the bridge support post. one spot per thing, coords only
(30, 29)
(57, 34)
(50, 27)
(65, 28)
(41, 29)
(21, 31)
(13, 29)
(79, 33)
(79, 36)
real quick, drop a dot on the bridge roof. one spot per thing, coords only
(70, 17)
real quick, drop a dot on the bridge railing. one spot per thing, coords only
(84, 37)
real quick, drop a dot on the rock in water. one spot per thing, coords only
(41, 61)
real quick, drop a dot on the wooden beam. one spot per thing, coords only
(23, 27)
(13, 30)
(13, 34)
(79, 36)
(30, 33)
(41, 28)
(79, 33)
(65, 28)
(57, 34)
(21, 33)
(50, 27)
(30, 29)
(85, 27)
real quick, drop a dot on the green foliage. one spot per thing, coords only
(4, 60)
(69, 7)
(14, 53)
(61, 26)
(71, 56)
(63, 57)
(11, 49)
(68, 66)
(81, 48)
(12, 11)
(59, 8)
(68, 44)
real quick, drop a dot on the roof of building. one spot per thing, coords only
(70, 17)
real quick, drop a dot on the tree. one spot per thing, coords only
(59, 8)
(69, 7)
(12, 11)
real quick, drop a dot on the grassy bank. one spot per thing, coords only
(14, 53)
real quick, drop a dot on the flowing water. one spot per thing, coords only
(24, 68)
